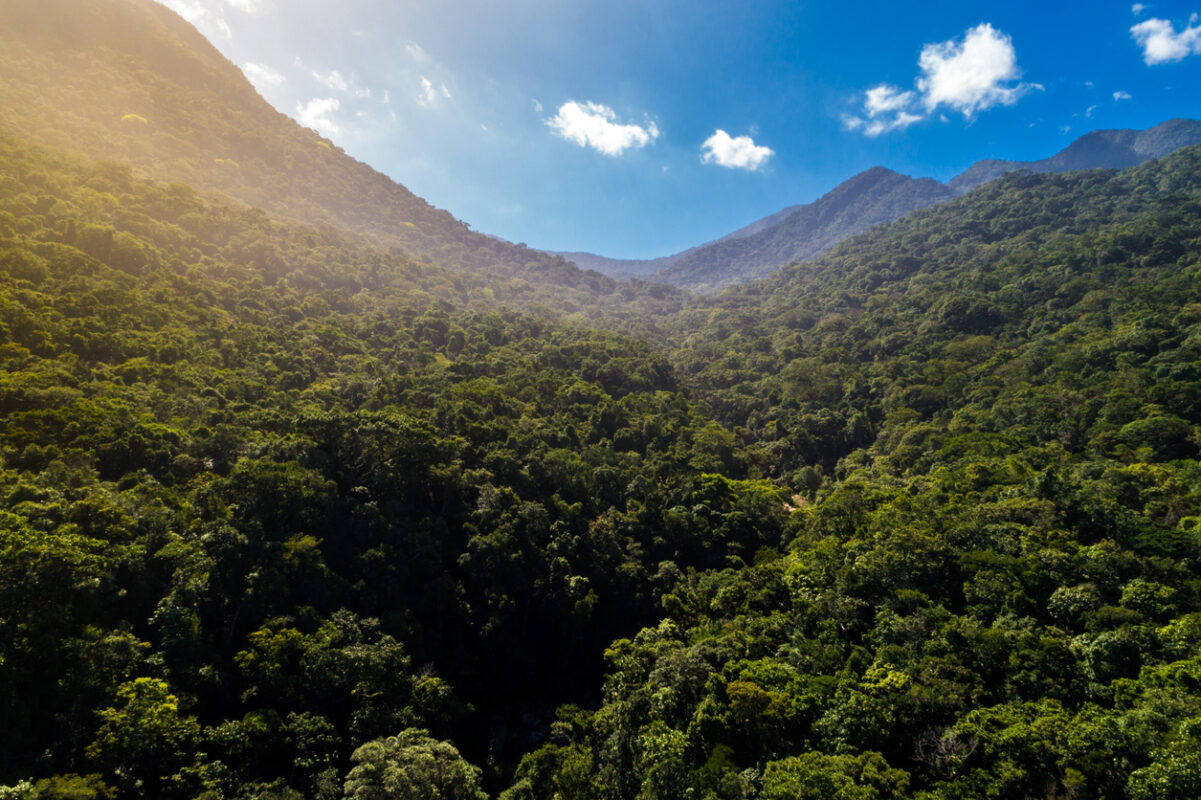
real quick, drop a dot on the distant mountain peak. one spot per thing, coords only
(872, 197)
(1101, 149)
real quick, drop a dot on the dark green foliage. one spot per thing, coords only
(283, 514)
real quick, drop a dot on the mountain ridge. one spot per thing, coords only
(132, 81)
(803, 232)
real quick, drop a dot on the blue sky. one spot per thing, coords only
(635, 129)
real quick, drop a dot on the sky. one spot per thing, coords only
(639, 128)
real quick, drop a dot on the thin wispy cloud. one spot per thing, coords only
(966, 76)
(1117, 96)
(211, 13)
(332, 80)
(316, 114)
(596, 126)
(884, 109)
(416, 53)
(431, 94)
(739, 152)
(249, 6)
(335, 80)
(1137, 9)
(1163, 44)
(262, 76)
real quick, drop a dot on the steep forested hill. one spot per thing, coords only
(990, 413)
(269, 495)
(130, 80)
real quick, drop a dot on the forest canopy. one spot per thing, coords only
(292, 511)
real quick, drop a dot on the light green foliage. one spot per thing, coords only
(411, 766)
(814, 776)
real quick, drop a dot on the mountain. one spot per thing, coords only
(1109, 149)
(130, 80)
(287, 512)
(643, 268)
(803, 232)
(619, 268)
(870, 198)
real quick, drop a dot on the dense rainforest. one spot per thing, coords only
(292, 507)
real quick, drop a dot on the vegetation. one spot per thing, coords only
(288, 511)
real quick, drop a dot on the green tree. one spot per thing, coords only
(412, 766)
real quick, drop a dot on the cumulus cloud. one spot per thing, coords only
(1122, 96)
(316, 113)
(262, 76)
(973, 75)
(739, 152)
(1137, 9)
(431, 94)
(1162, 43)
(969, 76)
(596, 126)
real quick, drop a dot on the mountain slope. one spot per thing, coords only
(990, 412)
(803, 232)
(870, 198)
(1110, 149)
(132, 81)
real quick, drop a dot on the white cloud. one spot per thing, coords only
(416, 52)
(885, 108)
(431, 94)
(1122, 96)
(210, 14)
(1137, 9)
(594, 125)
(191, 10)
(248, 6)
(537, 105)
(973, 75)
(967, 76)
(885, 99)
(1162, 44)
(332, 80)
(739, 152)
(262, 76)
(315, 114)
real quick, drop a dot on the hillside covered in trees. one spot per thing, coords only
(289, 510)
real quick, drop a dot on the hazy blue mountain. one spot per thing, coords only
(1114, 149)
(870, 198)
(803, 232)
